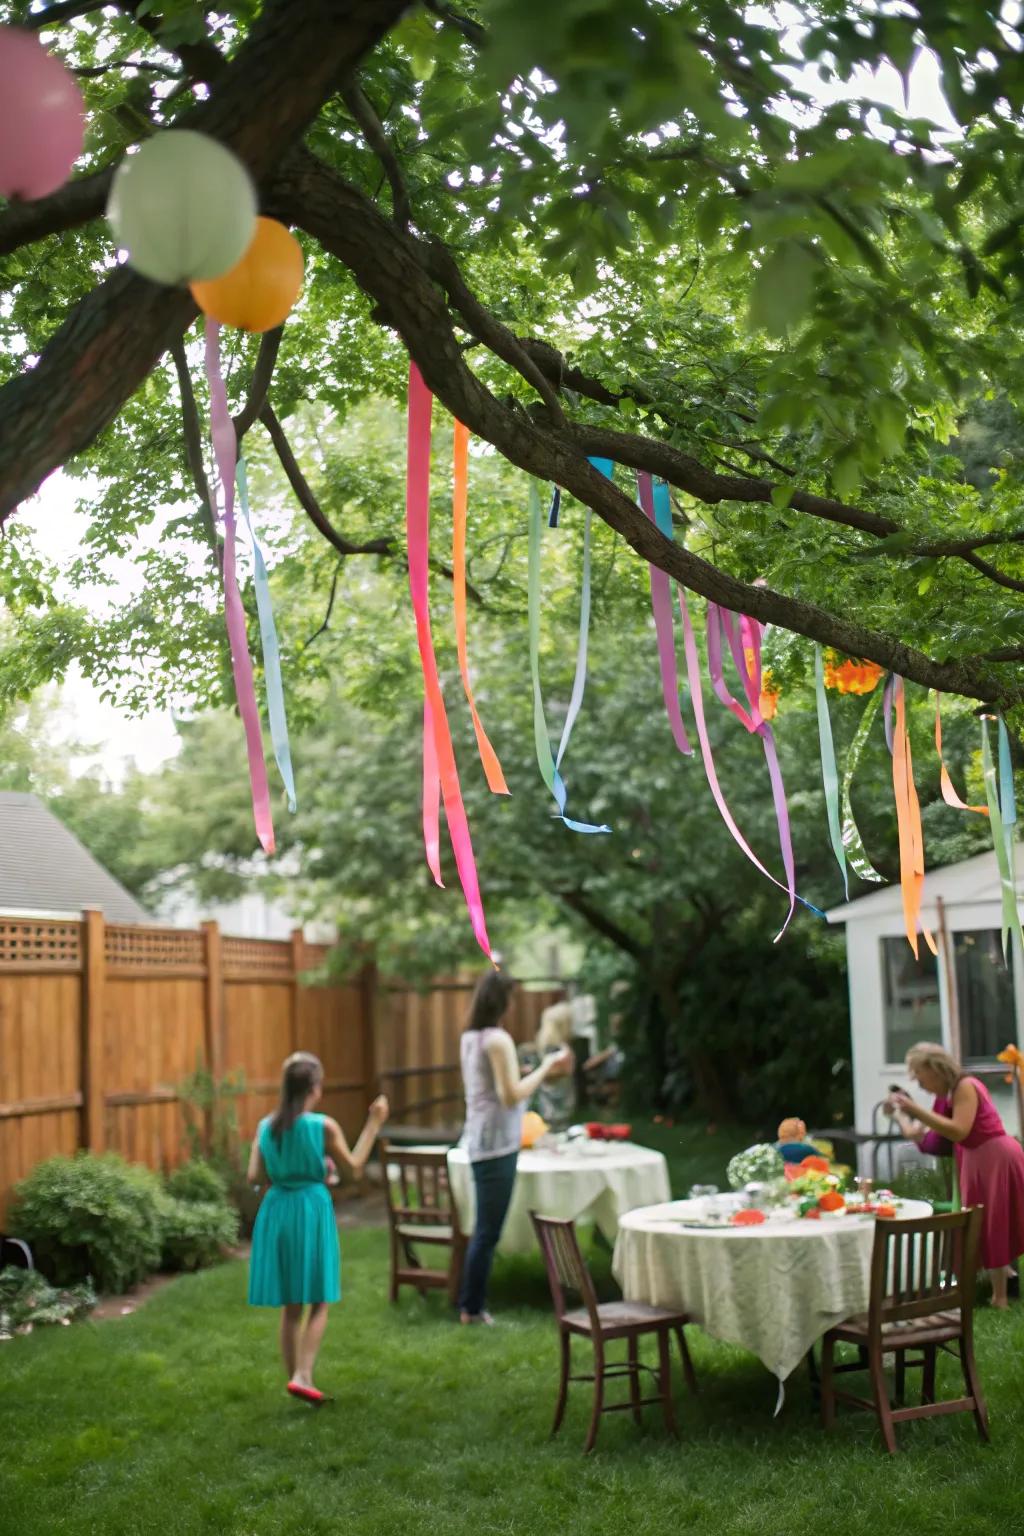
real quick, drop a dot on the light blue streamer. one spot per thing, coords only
(1008, 813)
(579, 682)
(663, 509)
(271, 651)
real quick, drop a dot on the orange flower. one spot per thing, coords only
(887, 1212)
(831, 1200)
(1012, 1058)
(816, 1164)
(850, 676)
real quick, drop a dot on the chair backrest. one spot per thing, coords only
(923, 1266)
(565, 1264)
(418, 1190)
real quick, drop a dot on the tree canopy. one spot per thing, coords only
(677, 233)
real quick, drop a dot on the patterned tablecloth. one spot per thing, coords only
(592, 1182)
(774, 1289)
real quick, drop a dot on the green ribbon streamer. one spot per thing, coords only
(1002, 843)
(829, 771)
(856, 853)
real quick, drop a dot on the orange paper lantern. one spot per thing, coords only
(257, 293)
(534, 1127)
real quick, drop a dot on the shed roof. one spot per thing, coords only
(972, 882)
(45, 869)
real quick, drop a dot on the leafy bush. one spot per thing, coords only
(198, 1183)
(27, 1299)
(193, 1234)
(88, 1216)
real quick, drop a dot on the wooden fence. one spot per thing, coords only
(99, 1024)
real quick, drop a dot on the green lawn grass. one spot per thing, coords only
(175, 1420)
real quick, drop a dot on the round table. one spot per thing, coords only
(773, 1289)
(590, 1181)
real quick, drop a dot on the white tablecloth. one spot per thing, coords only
(773, 1289)
(592, 1182)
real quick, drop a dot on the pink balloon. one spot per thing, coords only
(42, 117)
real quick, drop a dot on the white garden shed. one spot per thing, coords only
(965, 997)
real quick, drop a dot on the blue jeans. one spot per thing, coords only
(493, 1182)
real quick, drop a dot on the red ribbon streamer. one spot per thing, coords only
(225, 450)
(436, 734)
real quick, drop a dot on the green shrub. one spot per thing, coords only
(198, 1183)
(193, 1234)
(26, 1299)
(91, 1217)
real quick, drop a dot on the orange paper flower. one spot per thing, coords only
(768, 703)
(816, 1164)
(747, 1218)
(850, 676)
(887, 1212)
(831, 1200)
(1012, 1058)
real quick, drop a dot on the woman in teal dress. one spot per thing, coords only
(295, 1261)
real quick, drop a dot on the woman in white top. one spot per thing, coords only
(495, 1097)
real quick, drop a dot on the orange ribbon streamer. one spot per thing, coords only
(908, 818)
(460, 498)
(949, 794)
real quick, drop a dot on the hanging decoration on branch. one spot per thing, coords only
(1002, 812)
(440, 774)
(276, 714)
(183, 207)
(259, 292)
(225, 451)
(654, 500)
(853, 845)
(42, 117)
(850, 676)
(908, 818)
(949, 794)
(460, 498)
(829, 771)
(550, 766)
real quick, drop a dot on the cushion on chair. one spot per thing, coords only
(435, 1233)
(613, 1315)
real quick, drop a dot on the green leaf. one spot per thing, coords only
(782, 495)
(783, 289)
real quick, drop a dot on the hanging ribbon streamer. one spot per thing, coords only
(460, 498)
(548, 766)
(856, 854)
(949, 794)
(553, 510)
(697, 700)
(745, 646)
(829, 771)
(225, 450)
(436, 735)
(271, 651)
(887, 711)
(908, 819)
(1000, 795)
(655, 502)
(431, 797)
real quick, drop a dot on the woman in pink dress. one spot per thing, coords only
(990, 1162)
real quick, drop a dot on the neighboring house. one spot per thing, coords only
(250, 916)
(46, 872)
(965, 997)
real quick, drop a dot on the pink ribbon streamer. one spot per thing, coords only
(225, 451)
(436, 735)
(697, 700)
(431, 797)
(661, 607)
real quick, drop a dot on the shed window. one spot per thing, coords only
(984, 992)
(912, 1010)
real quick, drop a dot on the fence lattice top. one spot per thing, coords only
(50, 945)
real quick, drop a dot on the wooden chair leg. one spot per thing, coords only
(634, 1378)
(689, 1374)
(928, 1376)
(458, 1258)
(901, 1377)
(563, 1383)
(827, 1386)
(665, 1381)
(881, 1395)
(595, 1417)
(393, 1283)
(973, 1382)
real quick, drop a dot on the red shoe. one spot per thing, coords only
(309, 1394)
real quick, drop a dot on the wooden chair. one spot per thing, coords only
(923, 1276)
(601, 1323)
(421, 1211)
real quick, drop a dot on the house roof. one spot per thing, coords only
(45, 869)
(972, 882)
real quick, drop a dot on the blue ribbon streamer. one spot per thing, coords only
(1008, 813)
(271, 651)
(829, 771)
(556, 502)
(663, 509)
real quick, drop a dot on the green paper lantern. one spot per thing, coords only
(183, 207)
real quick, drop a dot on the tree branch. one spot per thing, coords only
(372, 129)
(76, 203)
(65, 10)
(472, 31)
(330, 607)
(307, 501)
(601, 923)
(259, 384)
(93, 71)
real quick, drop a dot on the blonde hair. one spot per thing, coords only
(938, 1060)
(555, 1026)
(792, 1130)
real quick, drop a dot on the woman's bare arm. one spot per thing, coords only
(256, 1173)
(955, 1127)
(336, 1146)
(513, 1089)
